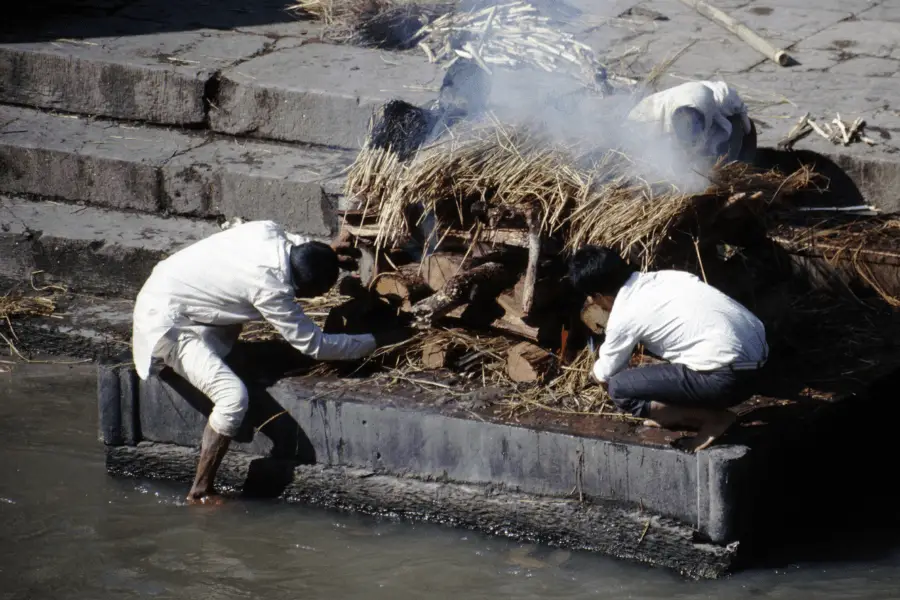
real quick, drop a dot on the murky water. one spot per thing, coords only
(67, 530)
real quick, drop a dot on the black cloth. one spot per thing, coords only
(632, 390)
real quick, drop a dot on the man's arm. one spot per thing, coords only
(615, 352)
(278, 308)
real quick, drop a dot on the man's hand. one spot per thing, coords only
(347, 263)
(343, 242)
(393, 336)
(604, 385)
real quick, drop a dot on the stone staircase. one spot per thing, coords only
(128, 128)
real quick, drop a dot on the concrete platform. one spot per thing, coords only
(352, 444)
(400, 453)
(156, 170)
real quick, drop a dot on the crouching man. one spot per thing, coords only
(714, 347)
(190, 310)
(707, 118)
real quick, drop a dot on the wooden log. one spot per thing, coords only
(460, 239)
(750, 37)
(534, 255)
(437, 355)
(527, 363)
(438, 269)
(462, 289)
(402, 288)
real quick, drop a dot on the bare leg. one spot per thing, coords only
(212, 449)
(709, 423)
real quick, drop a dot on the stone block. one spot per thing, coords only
(869, 38)
(317, 93)
(883, 11)
(867, 66)
(155, 77)
(77, 159)
(89, 248)
(788, 23)
(257, 181)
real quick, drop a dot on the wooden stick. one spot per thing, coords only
(753, 39)
(509, 237)
(534, 256)
(819, 130)
(797, 133)
(402, 288)
(460, 289)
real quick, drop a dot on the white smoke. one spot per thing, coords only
(562, 107)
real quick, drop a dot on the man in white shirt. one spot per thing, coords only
(714, 347)
(707, 118)
(190, 310)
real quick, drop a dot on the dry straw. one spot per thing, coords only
(583, 195)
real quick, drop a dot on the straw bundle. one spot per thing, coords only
(511, 35)
(581, 196)
(859, 242)
(388, 24)
(14, 305)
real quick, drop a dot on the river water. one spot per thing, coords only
(67, 530)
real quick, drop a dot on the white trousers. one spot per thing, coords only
(197, 352)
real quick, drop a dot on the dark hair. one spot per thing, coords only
(598, 270)
(314, 268)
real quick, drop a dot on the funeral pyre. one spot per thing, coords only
(469, 238)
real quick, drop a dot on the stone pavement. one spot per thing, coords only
(202, 109)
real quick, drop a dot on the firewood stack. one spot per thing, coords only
(473, 232)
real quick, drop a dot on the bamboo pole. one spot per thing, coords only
(749, 36)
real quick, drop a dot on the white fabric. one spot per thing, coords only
(715, 100)
(682, 320)
(196, 353)
(234, 276)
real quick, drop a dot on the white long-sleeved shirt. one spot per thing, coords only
(234, 276)
(715, 100)
(682, 320)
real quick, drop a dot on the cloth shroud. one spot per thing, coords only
(715, 100)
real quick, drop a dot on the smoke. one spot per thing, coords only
(569, 113)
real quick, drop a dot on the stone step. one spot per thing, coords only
(150, 61)
(157, 170)
(269, 83)
(89, 249)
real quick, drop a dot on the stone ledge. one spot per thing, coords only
(154, 170)
(157, 77)
(394, 434)
(318, 93)
(89, 249)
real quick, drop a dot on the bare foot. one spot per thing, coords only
(205, 499)
(711, 431)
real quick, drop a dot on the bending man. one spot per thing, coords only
(713, 345)
(707, 118)
(190, 310)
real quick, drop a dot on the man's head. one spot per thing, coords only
(598, 273)
(689, 126)
(314, 269)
